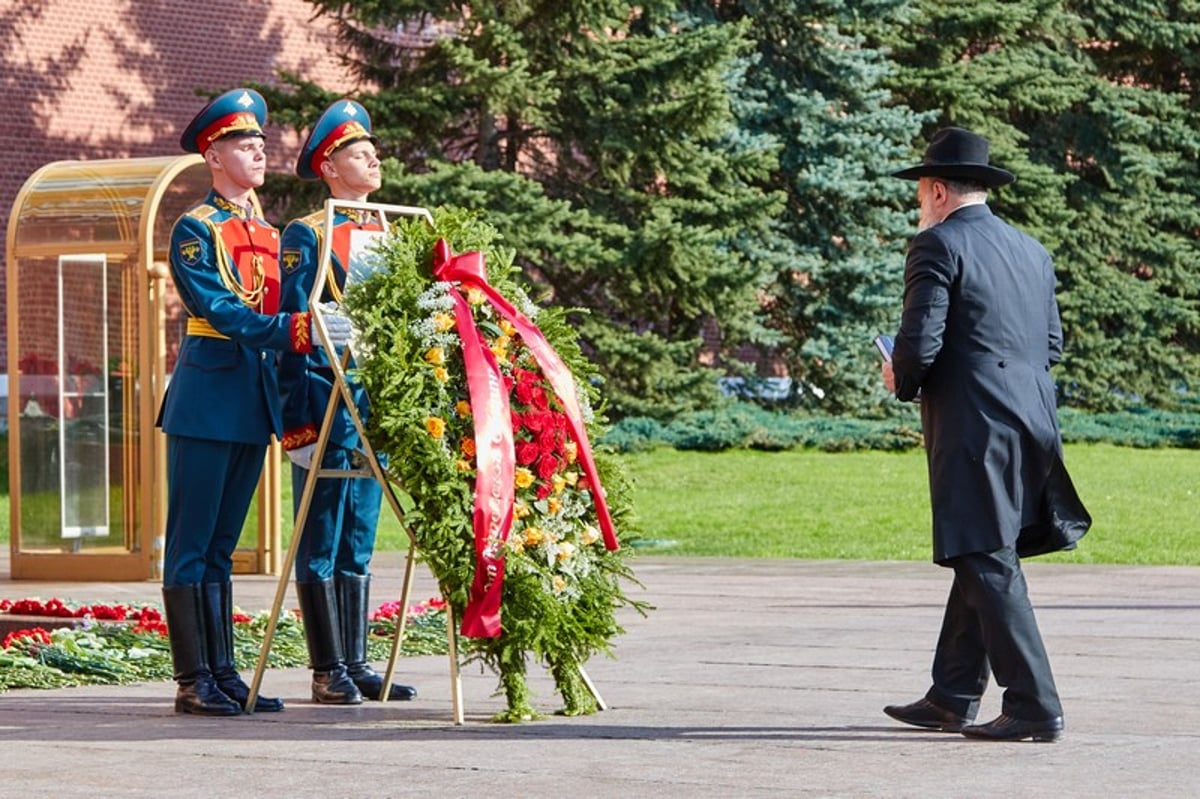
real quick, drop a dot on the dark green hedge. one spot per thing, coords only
(743, 425)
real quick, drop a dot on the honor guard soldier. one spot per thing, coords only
(332, 564)
(222, 405)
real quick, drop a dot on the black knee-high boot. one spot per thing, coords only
(353, 603)
(218, 617)
(198, 692)
(331, 685)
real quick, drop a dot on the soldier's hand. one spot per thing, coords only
(302, 456)
(338, 327)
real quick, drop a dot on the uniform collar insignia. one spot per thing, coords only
(226, 205)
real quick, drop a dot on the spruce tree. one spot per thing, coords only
(815, 89)
(1105, 159)
(598, 137)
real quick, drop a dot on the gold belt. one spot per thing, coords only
(199, 326)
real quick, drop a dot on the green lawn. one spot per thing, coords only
(872, 505)
(875, 505)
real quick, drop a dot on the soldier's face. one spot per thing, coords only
(356, 166)
(243, 160)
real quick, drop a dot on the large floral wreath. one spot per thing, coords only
(523, 550)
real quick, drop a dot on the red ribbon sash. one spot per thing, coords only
(494, 489)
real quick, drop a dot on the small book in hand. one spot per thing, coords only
(885, 344)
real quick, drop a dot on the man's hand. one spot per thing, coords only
(889, 377)
(338, 327)
(302, 456)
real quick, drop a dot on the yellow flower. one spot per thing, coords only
(436, 356)
(558, 483)
(571, 477)
(436, 426)
(565, 550)
(508, 328)
(523, 478)
(570, 451)
(559, 584)
(442, 321)
(463, 466)
(475, 296)
(440, 374)
(553, 505)
(516, 544)
(533, 536)
(590, 535)
(520, 510)
(500, 351)
(462, 408)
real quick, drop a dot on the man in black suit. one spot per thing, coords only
(978, 335)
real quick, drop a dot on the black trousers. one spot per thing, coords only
(989, 620)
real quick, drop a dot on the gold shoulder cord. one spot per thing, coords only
(330, 281)
(229, 275)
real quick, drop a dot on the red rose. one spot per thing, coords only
(527, 452)
(547, 466)
(548, 440)
(538, 399)
(524, 393)
(544, 490)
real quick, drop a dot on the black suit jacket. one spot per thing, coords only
(978, 335)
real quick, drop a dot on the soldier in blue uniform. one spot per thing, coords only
(332, 565)
(222, 405)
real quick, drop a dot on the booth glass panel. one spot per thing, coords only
(78, 420)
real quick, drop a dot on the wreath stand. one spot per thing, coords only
(342, 395)
(372, 471)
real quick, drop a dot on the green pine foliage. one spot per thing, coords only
(600, 137)
(690, 171)
(1089, 103)
(815, 89)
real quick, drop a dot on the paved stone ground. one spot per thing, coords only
(750, 679)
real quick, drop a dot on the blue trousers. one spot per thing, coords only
(209, 488)
(339, 533)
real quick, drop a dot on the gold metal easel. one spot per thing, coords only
(373, 470)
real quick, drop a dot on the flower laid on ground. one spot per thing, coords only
(483, 402)
(124, 643)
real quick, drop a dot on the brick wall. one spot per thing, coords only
(85, 79)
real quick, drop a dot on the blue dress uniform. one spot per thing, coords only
(219, 413)
(338, 539)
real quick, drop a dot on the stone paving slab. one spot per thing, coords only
(750, 679)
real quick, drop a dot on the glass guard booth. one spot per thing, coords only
(93, 331)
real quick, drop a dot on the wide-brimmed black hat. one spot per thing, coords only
(958, 154)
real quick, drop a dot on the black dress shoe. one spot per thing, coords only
(233, 686)
(924, 713)
(1006, 728)
(370, 684)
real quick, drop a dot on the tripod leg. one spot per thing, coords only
(592, 689)
(455, 677)
(405, 594)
